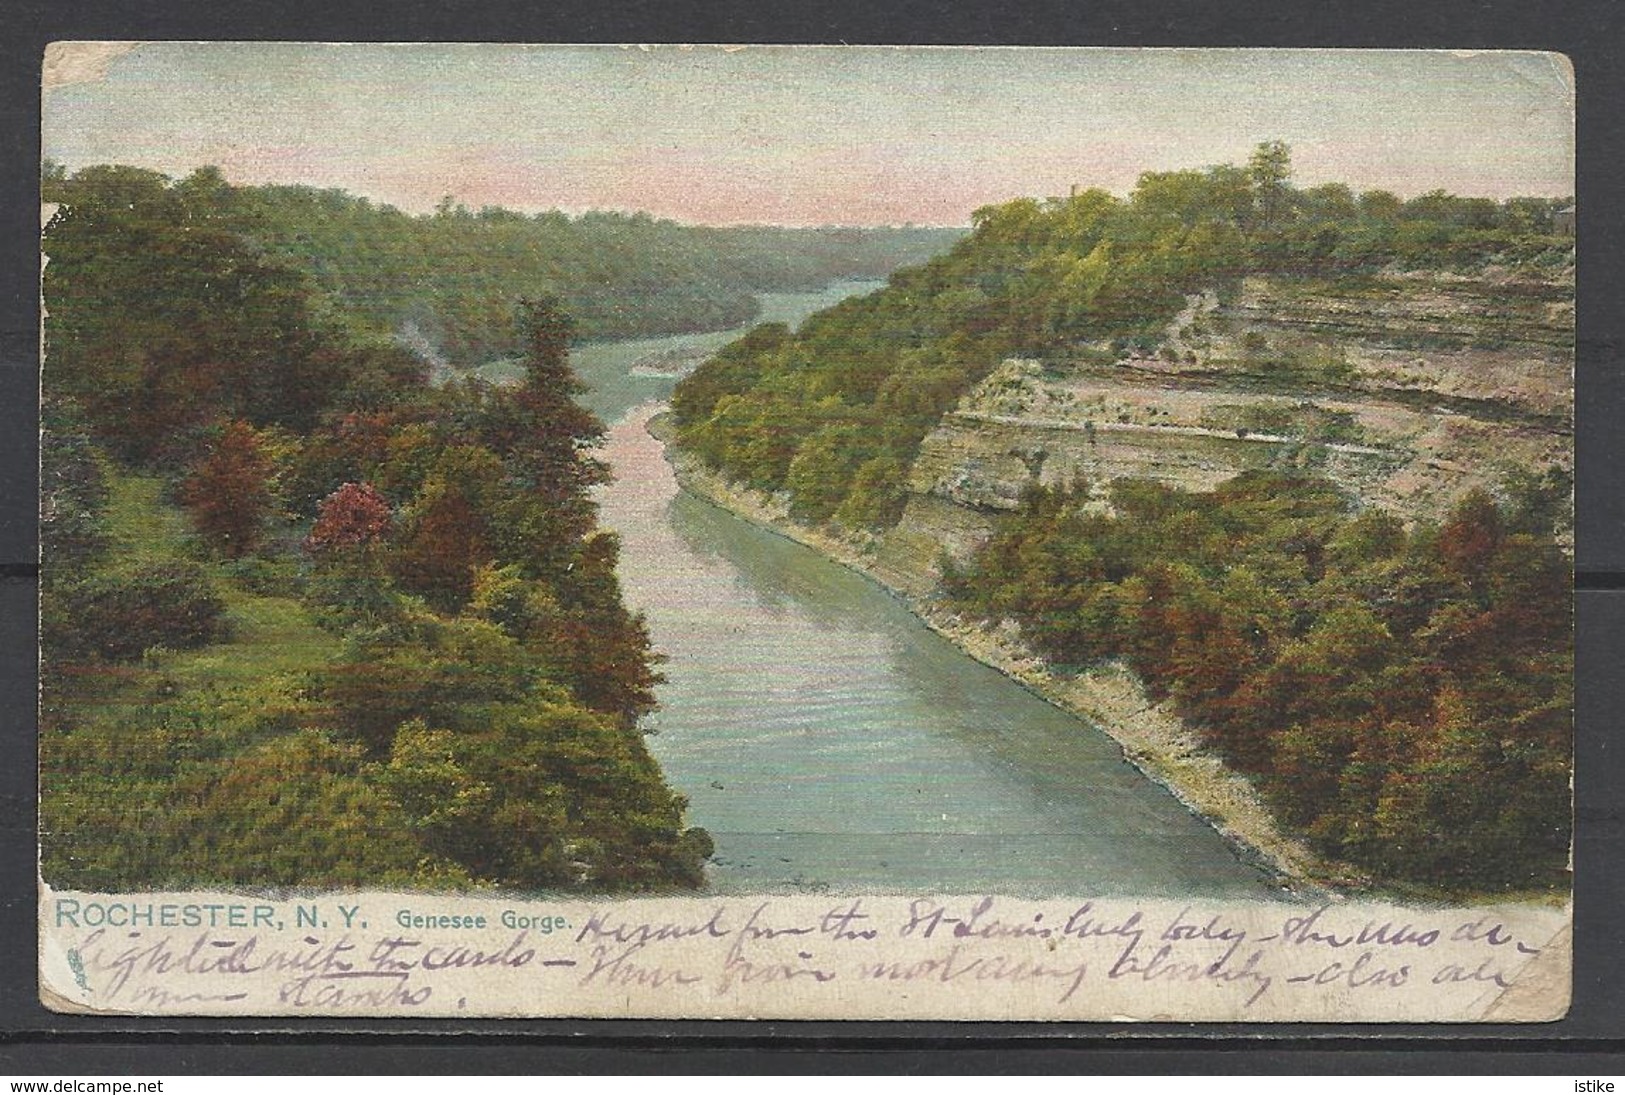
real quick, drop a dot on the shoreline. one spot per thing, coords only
(1110, 698)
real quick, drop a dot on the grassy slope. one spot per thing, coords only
(269, 635)
(133, 754)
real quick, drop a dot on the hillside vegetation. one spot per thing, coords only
(308, 620)
(834, 413)
(1397, 682)
(449, 281)
(1403, 698)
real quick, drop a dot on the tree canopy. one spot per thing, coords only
(1071, 277)
(335, 624)
(1403, 698)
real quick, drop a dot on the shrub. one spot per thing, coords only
(296, 810)
(119, 616)
(351, 517)
(263, 577)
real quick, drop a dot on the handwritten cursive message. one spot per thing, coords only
(854, 957)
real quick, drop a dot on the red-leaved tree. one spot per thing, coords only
(437, 555)
(349, 519)
(228, 493)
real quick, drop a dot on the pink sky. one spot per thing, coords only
(809, 136)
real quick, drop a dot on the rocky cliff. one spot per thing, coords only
(1406, 391)
(1151, 736)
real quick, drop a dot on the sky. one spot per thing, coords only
(802, 136)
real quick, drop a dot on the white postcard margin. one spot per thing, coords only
(865, 957)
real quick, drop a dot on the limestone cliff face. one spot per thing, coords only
(975, 466)
(1407, 395)
(1407, 392)
(1151, 735)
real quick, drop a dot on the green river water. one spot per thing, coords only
(826, 738)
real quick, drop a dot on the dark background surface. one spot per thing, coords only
(33, 1040)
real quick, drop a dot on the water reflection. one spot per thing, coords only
(829, 741)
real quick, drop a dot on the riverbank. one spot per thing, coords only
(1151, 737)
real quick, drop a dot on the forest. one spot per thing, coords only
(1401, 696)
(307, 618)
(834, 413)
(1398, 690)
(449, 281)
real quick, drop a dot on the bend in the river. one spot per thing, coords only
(826, 738)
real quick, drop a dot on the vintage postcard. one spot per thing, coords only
(746, 532)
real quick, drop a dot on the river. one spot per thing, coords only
(826, 738)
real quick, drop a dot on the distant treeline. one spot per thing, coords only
(456, 275)
(835, 413)
(307, 619)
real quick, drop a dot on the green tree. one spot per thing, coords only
(1270, 167)
(546, 438)
(610, 660)
(545, 795)
(822, 470)
(878, 494)
(73, 493)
